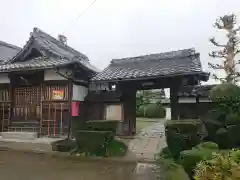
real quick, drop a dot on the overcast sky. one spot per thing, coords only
(118, 28)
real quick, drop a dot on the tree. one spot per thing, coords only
(227, 51)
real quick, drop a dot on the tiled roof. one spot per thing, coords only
(7, 51)
(36, 63)
(55, 51)
(164, 64)
(195, 91)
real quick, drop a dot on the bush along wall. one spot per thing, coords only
(223, 121)
(151, 111)
(182, 135)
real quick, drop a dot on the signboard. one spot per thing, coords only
(75, 108)
(57, 94)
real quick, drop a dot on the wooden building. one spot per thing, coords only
(46, 83)
(194, 101)
(113, 91)
(42, 84)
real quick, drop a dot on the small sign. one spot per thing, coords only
(57, 94)
(75, 108)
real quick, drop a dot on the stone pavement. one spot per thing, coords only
(148, 142)
(145, 146)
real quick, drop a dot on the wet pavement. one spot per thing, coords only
(22, 166)
(145, 146)
(149, 142)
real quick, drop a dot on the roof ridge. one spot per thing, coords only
(37, 32)
(159, 56)
(10, 45)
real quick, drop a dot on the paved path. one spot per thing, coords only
(145, 146)
(148, 142)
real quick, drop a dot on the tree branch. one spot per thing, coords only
(215, 43)
(218, 54)
(215, 66)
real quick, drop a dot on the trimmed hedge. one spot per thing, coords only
(208, 145)
(63, 145)
(151, 111)
(182, 135)
(102, 125)
(93, 142)
(190, 158)
(168, 168)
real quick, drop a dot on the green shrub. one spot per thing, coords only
(93, 142)
(190, 158)
(168, 169)
(228, 137)
(140, 111)
(115, 148)
(102, 125)
(233, 119)
(182, 135)
(154, 111)
(208, 145)
(63, 145)
(225, 92)
(220, 166)
(77, 124)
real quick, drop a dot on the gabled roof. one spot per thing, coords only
(181, 62)
(54, 53)
(7, 51)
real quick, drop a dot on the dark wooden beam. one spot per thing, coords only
(174, 88)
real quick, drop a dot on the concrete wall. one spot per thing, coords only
(4, 79)
(79, 92)
(50, 74)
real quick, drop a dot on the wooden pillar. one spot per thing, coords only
(174, 88)
(129, 111)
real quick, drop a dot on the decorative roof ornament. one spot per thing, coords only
(62, 38)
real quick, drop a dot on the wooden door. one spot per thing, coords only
(113, 112)
(27, 103)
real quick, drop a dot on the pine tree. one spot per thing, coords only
(227, 51)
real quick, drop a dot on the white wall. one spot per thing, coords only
(168, 113)
(50, 74)
(204, 100)
(79, 93)
(187, 100)
(4, 79)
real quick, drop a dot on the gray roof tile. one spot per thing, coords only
(7, 51)
(162, 64)
(36, 63)
(195, 91)
(57, 49)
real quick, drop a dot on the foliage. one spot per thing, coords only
(154, 111)
(168, 168)
(63, 145)
(208, 145)
(223, 122)
(229, 50)
(224, 166)
(182, 135)
(93, 142)
(146, 97)
(190, 158)
(115, 148)
(102, 125)
(151, 111)
(77, 124)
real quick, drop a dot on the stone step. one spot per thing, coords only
(20, 135)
